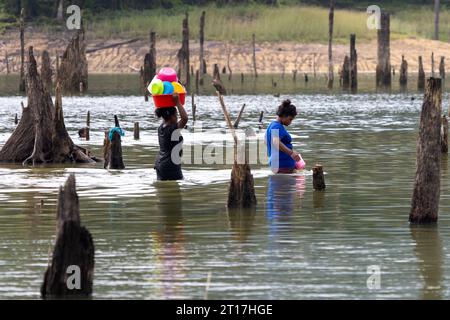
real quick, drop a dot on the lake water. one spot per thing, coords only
(160, 240)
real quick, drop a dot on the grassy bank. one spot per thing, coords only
(284, 23)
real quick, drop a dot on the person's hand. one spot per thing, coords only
(295, 156)
(176, 98)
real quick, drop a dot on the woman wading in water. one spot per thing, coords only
(168, 165)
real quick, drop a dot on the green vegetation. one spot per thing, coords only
(285, 21)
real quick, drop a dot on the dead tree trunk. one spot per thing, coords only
(444, 134)
(425, 198)
(183, 54)
(241, 192)
(216, 72)
(436, 19)
(403, 73)
(442, 68)
(74, 66)
(330, 46)
(383, 72)
(112, 149)
(202, 49)
(353, 64)
(71, 271)
(149, 65)
(255, 71)
(41, 136)
(238, 119)
(345, 73)
(46, 71)
(421, 77)
(432, 64)
(217, 83)
(22, 86)
(7, 62)
(318, 178)
(136, 131)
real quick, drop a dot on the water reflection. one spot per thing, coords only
(241, 222)
(168, 240)
(283, 191)
(430, 258)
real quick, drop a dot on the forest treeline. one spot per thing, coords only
(49, 8)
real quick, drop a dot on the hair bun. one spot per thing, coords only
(286, 103)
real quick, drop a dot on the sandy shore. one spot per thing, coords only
(271, 57)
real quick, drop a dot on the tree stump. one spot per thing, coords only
(383, 72)
(112, 149)
(353, 64)
(425, 198)
(46, 71)
(183, 54)
(444, 135)
(202, 68)
(421, 77)
(136, 131)
(330, 46)
(41, 135)
(345, 73)
(318, 178)
(403, 73)
(22, 85)
(74, 66)
(71, 271)
(255, 71)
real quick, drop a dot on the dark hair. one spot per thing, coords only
(287, 109)
(165, 113)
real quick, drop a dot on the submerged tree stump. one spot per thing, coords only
(22, 85)
(318, 178)
(183, 54)
(71, 271)
(345, 73)
(421, 77)
(241, 193)
(353, 64)
(442, 68)
(330, 79)
(444, 134)
(74, 67)
(425, 198)
(403, 73)
(202, 69)
(41, 135)
(112, 149)
(383, 71)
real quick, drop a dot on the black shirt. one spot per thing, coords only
(166, 169)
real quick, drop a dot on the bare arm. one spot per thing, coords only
(183, 114)
(282, 147)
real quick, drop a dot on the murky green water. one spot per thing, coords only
(161, 239)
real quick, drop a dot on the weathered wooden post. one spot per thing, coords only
(112, 148)
(74, 66)
(136, 131)
(239, 117)
(46, 71)
(183, 54)
(442, 68)
(241, 192)
(202, 49)
(7, 62)
(255, 71)
(425, 197)
(444, 134)
(318, 178)
(403, 73)
(383, 72)
(421, 77)
(345, 73)
(330, 46)
(436, 19)
(353, 64)
(22, 52)
(71, 271)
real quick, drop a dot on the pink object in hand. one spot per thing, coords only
(300, 165)
(167, 74)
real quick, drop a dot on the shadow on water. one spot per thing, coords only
(430, 258)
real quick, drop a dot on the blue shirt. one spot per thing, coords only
(284, 160)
